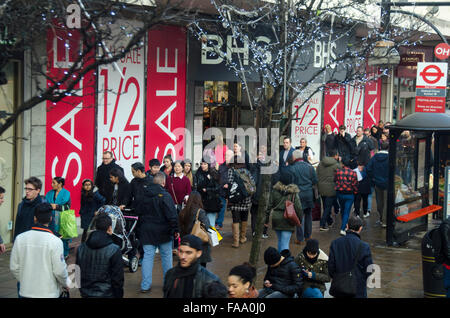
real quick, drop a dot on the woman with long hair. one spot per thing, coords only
(167, 167)
(59, 198)
(90, 202)
(187, 170)
(187, 218)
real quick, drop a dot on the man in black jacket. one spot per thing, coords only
(444, 229)
(344, 146)
(100, 261)
(188, 279)
(362, 146)
(102, 181)
(343, 252)
(158, 227)
(283, 278)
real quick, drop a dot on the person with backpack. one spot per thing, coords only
(241, 189)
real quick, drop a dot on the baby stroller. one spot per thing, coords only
(123, 233)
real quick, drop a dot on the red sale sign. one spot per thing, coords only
(334, 104)
(71, 121)
(354, 101)
(166, 93)
(372, 103)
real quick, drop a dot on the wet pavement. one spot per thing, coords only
(400, 267)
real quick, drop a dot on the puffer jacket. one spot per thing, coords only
(325, 174)
(319, 269)
(378, 169)
(278, 197)
(101, 267)
(285, 278)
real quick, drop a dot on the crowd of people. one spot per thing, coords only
(170, 198)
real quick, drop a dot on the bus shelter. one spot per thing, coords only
(419, 154)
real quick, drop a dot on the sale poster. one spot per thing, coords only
(372, 98)
(354, 103)
(120, 116)
(307, 123)
(166, 94)
(334, 104)
(70, 122)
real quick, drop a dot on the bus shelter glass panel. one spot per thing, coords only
(410, 174)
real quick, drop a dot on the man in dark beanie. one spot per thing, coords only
(314, 265)
(283, 278)
(188, 279)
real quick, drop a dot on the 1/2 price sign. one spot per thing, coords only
(354, 101)
(307, 123)
(120, 116)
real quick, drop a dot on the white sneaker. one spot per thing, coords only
(264, 236)
(366, 215)
(343, 233)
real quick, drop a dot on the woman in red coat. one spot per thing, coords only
(178, 185)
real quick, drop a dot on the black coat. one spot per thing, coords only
(102, 178)
(124, 193)
(344, 147)
(285, 278)
(330, 142)
(101, 267)
(137, 189)
(342, 255)
(88, 207)
(223, 179)
(202, 278)
(210, 198)
(25, 215)
(361, 152)
(157, 216)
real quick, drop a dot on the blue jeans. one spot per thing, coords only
(283, 239)
(305, 230)
(345, 202)
(211, 218)
(326, 217)
(312, 293)
(369, 199)
(221, 216)
(165, 250)
(447, 281)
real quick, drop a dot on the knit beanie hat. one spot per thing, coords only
(271, 256)
(312, 246)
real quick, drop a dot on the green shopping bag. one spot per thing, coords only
(68, 224)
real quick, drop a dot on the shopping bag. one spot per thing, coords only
(68, 224)
(213, 238)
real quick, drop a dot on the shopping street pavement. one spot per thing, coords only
(401, 267)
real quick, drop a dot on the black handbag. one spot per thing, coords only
(344, 284)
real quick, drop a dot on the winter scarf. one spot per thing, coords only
(183, 286)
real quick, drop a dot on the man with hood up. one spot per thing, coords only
(325, 174)
(378, 172)
(283, 278)
(158, 227)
